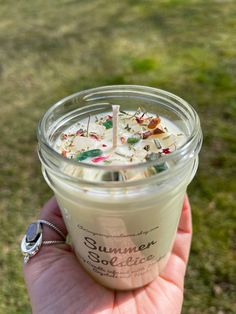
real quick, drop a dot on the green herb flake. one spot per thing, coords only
(128, 128)
(147, 147)
(121, 111)
(108, 162)
(133, 140)
(154, 157)
(108, 124)
(88, 154)
(161, 167)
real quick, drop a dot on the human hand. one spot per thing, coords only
(57, 283)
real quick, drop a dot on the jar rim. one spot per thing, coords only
(140, 89)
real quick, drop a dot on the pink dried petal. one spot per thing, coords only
(122, 139)
(79, 132)
(94, 136)
(139, 120)
(64, 153)
(99, 158)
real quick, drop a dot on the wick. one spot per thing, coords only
(88, 126)
(115, 110)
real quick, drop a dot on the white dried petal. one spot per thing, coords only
(84, 143)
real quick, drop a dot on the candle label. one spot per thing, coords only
(124, 251)
(132, 257)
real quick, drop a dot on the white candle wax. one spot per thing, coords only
(140, 137)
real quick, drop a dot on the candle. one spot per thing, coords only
(120, 175)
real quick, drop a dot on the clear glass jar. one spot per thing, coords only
(122, 231)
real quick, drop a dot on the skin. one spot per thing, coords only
(57, 283)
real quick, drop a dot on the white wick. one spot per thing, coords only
(115, 110)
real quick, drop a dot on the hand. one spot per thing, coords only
(58, 284)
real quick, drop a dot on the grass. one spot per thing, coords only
(50, 49)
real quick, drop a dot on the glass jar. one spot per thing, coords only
(122, 231)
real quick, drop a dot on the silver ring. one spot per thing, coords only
(55, 228)
(33, 239)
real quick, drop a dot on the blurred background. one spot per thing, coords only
(50, 49)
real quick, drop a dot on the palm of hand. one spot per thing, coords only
(58, 284)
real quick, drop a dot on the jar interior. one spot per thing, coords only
(80, 108)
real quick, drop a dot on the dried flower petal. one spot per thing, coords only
(158, 131)
(166, 151)
(122, 139)
(154, 122)
(79, 132)
(139, 120)
(64, 153)
(94, 136)
(146, 134)
(100, 158)
(63, 136)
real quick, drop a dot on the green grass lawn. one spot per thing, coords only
(50, 49)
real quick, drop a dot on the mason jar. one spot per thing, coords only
(122, 231)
